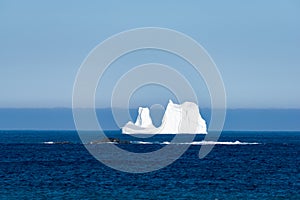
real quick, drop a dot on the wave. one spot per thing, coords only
(203, 142)
(223, 143)
(52, 142)
(141, 142)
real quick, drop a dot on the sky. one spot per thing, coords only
(255, 45)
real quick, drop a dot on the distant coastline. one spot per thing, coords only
(62, 119)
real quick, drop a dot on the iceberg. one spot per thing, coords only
(178, 118)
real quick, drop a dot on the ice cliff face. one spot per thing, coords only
(184, 118)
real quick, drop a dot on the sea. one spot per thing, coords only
(242, 165)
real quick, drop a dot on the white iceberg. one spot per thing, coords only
(184, 118)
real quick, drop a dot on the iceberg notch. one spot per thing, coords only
(178, 118)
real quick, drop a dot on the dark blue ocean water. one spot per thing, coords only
(31, 168)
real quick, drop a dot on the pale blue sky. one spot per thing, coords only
(255, 44)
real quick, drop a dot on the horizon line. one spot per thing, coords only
(26, 129)
(228, 108)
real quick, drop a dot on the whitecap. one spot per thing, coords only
(203, 142)
(50, 142)
(140, 142)
(222, 143)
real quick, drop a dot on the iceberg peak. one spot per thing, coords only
(143, 120)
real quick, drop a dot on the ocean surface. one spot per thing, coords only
(242, 165)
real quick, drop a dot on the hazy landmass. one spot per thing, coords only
(62, 119)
